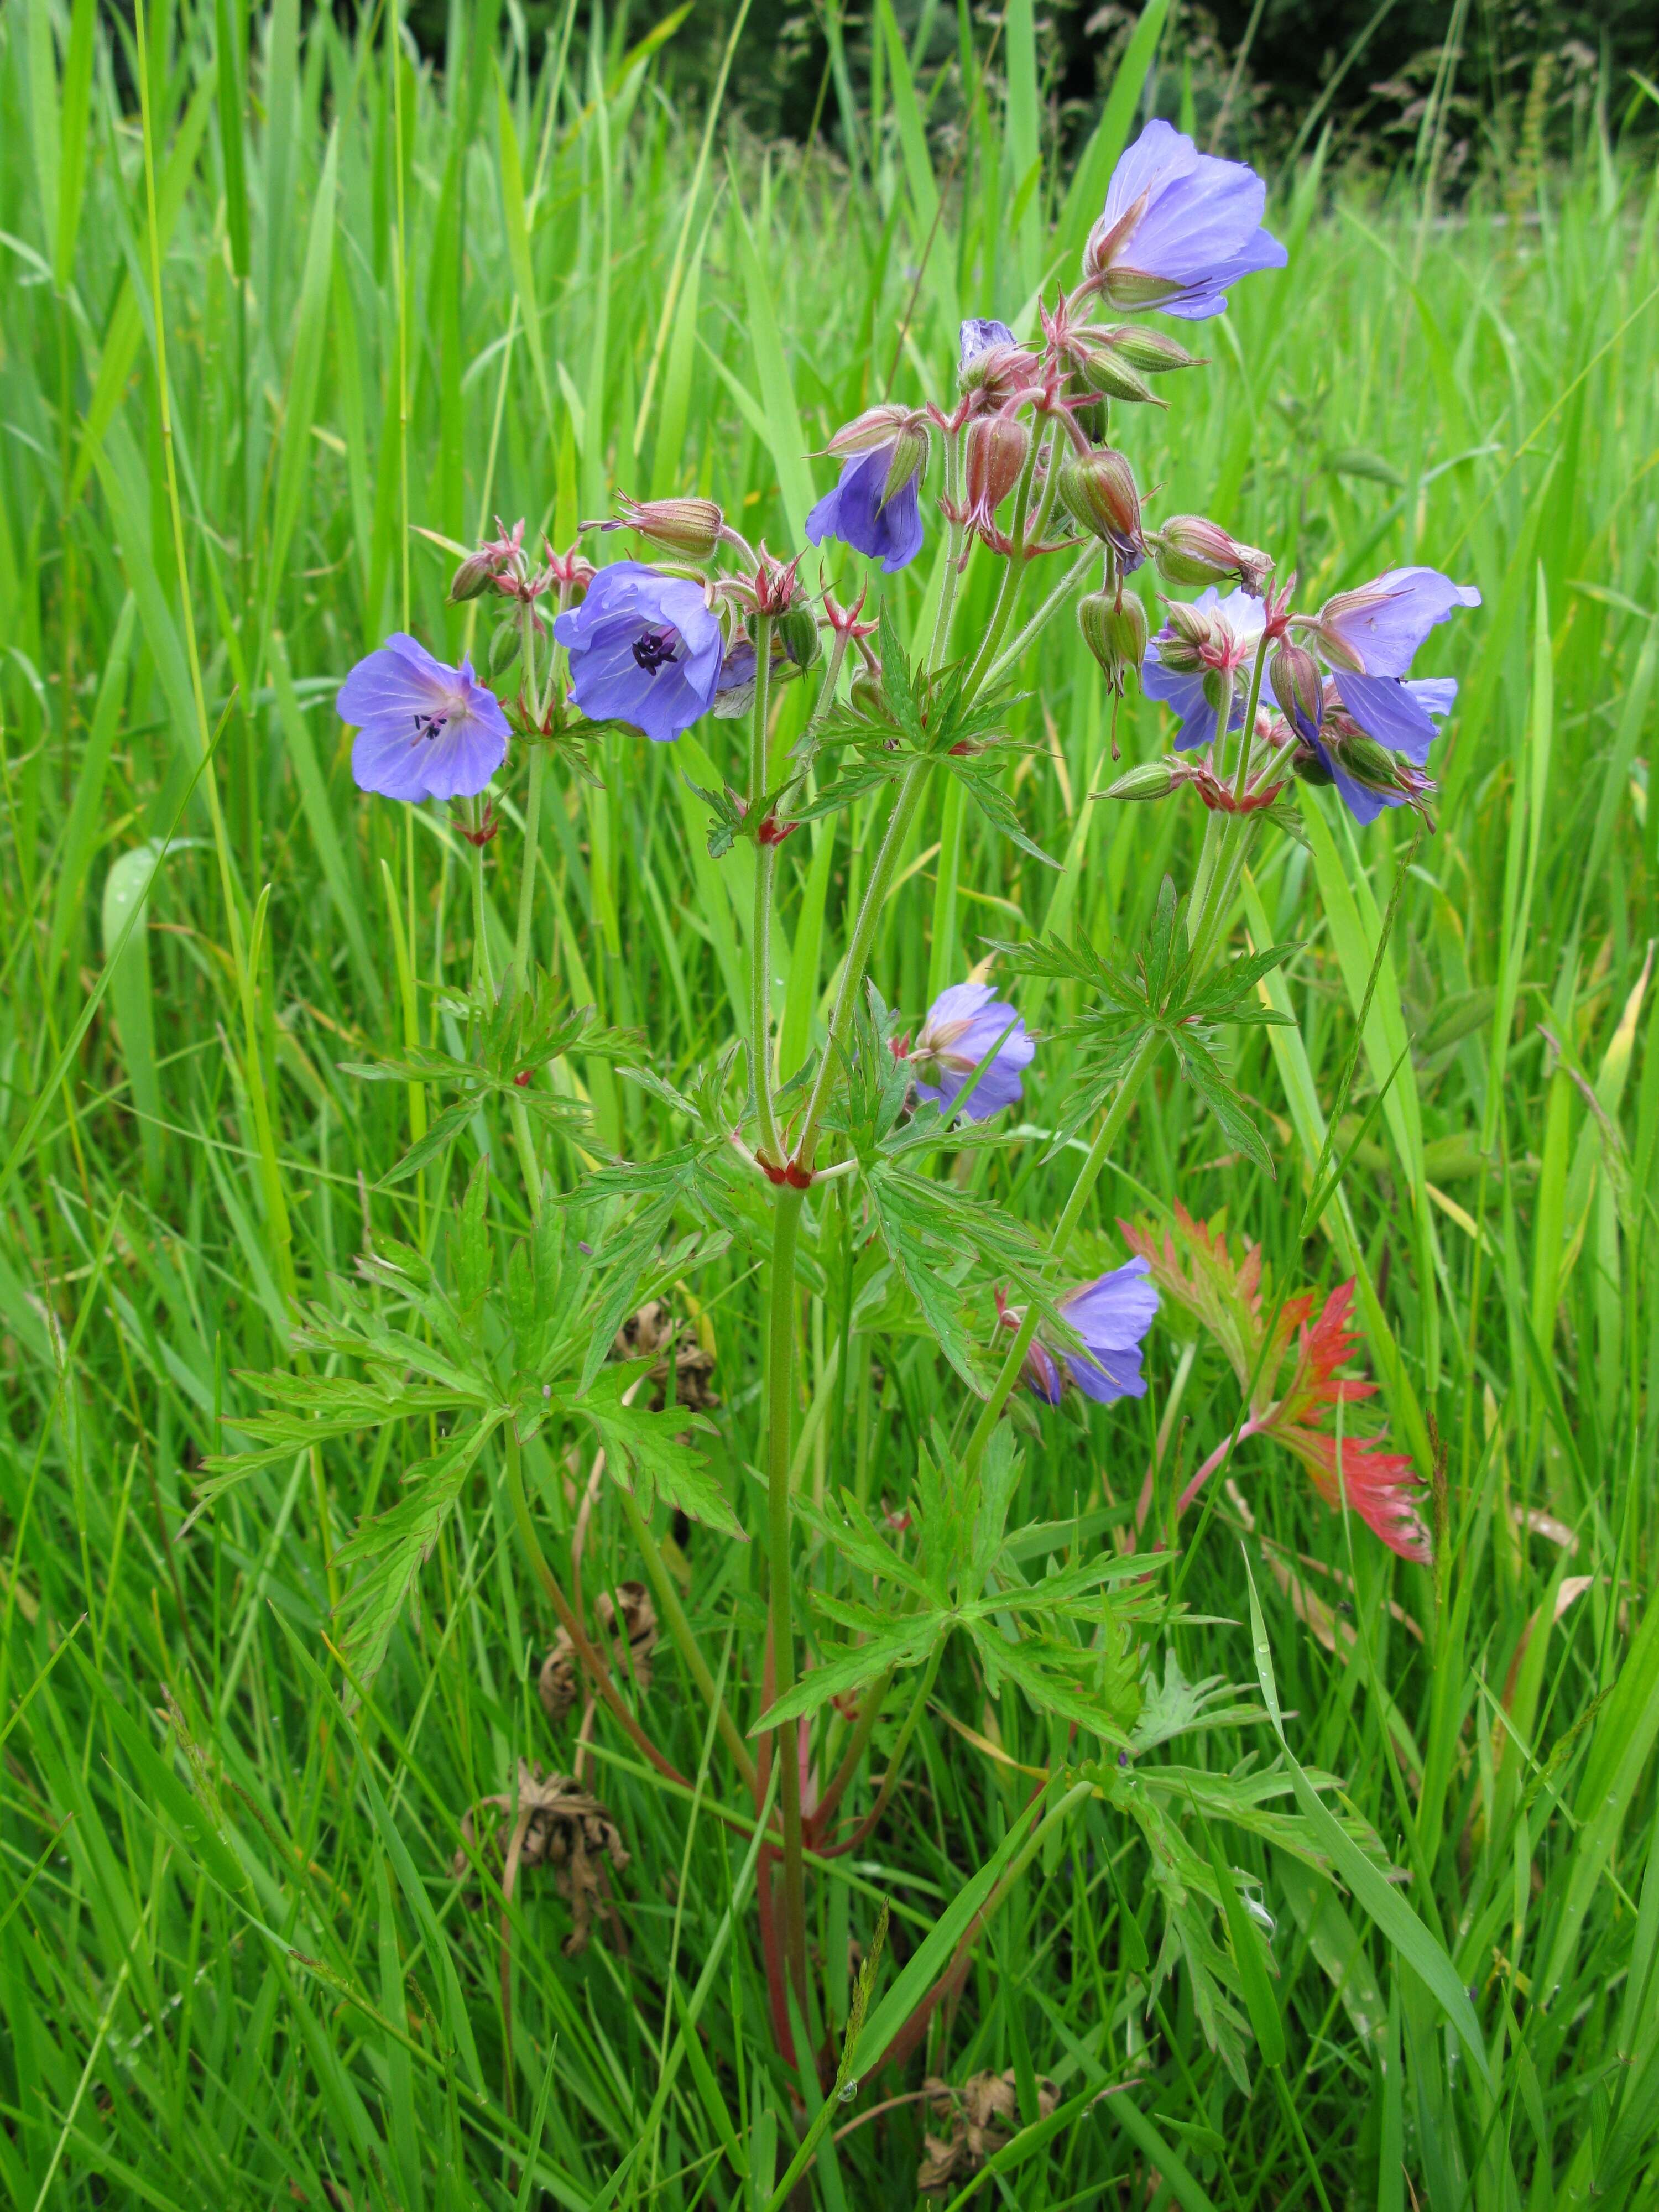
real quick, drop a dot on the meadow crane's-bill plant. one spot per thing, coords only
(842, 1169)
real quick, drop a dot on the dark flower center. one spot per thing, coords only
(655, 649)
(430, 725)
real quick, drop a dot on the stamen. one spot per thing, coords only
(655, 649)
(430, 725)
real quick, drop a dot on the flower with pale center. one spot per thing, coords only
(424, 729)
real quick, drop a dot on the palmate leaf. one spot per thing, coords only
(1096, 1689)
(980, 776)
(1199, 1066)
(388, 1552)
(1174, 1706)
(910, 1644)
(644, 1453)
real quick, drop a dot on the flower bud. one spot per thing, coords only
(1150, 779)
(475, 575)
(1308, 768)
(997, 446)
(1219, 693)
(1089, 416)
(798, 633)
(864, 693)
(877, 426)
(909, 458)
(1192, 550)
(1370, 763)
(1149, 351)
(689, 527)
(505, 643)
(1102, 368)
(1114, 631)
(1298, 687)
(1098, 491)
(1187, 634)
(993, 365)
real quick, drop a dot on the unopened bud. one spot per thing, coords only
(993, 364)
(689, 527)
(1114, 631)
(1188, 635)
(798, 633)
(1098, 490)
(1090, 418)
(997, 446)
(1149, 351)
(475, 575)
(505, 643)
(1151, 779)
(1370, 763)
(909, 458)
(1298, 687)
(877, 426)
(1308, 768)
(1190, 549)
(1102, 368)
(1219, 693)
(864, 693)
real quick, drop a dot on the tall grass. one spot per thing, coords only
(234, 1966)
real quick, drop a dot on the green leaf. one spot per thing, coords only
(1249, 1956)
(644, 1453)
(1198, 1065)
(391, 1548)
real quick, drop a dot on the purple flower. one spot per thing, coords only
(977, 336)
(1193, 663)
(644, 648)
(1179, 228)
(863, 513)
(965, 1024)
(424, 729)
(1404, 728)
(1112, 1315)
(1368, 639)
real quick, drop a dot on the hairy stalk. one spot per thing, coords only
(760, 949)
(779, 1392)
(1013, 572)
(1009, 656)
(953, 553)
(909, 798)
(1088, 1175)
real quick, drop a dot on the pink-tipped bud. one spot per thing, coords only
(475, 575)
(1190, 549)
(997, 446)
(1150, 779)
(688, 526)
(1114, 631)
(1189, 637)
(1298, 687)
(877, 426)
(1098, 491)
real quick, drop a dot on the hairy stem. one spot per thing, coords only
(760, 946)
(1074, 575)
(1129, 1084)
(861, 946)
(779, 1392)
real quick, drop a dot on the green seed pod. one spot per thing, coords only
(798, 634)
(506, 644)
(1114, 631)
(1150, 779)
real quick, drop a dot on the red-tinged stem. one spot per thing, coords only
(863, 1728)
(1218, 1459)
(866, 1825)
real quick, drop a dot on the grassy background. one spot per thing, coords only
(234, 1967)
